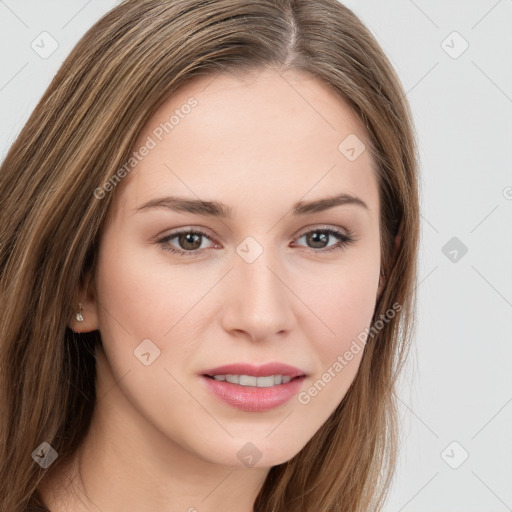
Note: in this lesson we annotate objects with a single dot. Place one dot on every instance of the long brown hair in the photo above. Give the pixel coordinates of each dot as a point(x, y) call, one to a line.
point(82, 131)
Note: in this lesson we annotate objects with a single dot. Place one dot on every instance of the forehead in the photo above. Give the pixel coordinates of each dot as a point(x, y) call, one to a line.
point(266, 138)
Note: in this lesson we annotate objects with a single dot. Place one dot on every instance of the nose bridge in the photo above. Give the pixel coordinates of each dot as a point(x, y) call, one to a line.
point(260, 300)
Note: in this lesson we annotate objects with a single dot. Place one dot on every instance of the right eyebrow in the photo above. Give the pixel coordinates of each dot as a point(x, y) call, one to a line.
point(185, 205)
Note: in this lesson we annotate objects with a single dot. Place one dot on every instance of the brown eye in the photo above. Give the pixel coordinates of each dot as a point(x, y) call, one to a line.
point(188, 242)
point(319, 239)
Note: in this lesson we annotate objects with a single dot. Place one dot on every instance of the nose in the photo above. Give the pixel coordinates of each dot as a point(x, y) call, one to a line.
point(258, 301)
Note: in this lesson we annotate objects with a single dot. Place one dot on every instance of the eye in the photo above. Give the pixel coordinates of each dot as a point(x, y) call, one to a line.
point(319, 238)
point(190, 241)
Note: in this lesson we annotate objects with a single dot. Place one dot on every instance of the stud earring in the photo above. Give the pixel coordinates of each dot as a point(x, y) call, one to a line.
point(79, 317)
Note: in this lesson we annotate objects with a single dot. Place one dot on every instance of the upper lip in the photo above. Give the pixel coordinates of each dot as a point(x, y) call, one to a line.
point(263, 370)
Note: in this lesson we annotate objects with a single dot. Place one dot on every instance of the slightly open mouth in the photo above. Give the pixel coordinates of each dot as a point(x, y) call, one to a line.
point(251, 381)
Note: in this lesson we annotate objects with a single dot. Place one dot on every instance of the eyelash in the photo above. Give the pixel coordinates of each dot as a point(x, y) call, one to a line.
point(345, 239)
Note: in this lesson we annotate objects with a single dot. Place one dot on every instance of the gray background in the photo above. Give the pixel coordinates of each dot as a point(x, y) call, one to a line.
point(456, 392)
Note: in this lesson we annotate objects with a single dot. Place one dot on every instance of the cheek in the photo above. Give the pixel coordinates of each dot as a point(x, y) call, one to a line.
point(348, 303)
point(136, 295)
point(137, 303)
point(343, 308)
point(143, 297)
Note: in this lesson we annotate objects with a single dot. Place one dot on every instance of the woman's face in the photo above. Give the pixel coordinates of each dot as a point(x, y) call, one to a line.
point(254, 286)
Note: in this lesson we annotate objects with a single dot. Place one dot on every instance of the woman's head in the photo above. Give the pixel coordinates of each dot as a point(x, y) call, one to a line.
point(260, 284)
point(264, 107)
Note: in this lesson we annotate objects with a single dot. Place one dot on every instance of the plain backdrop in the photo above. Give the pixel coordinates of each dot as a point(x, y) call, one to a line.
point(454, 60)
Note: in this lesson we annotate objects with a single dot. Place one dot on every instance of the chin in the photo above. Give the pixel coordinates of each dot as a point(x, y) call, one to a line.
point(253, 451)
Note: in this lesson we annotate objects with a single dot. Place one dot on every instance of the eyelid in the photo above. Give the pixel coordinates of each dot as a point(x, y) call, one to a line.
point(322, 227)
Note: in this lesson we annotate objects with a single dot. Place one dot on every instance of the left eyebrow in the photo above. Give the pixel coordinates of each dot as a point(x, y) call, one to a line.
point(218, 209)
point(320, 205)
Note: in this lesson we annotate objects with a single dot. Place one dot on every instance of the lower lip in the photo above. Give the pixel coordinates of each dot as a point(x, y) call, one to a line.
point(252, 398)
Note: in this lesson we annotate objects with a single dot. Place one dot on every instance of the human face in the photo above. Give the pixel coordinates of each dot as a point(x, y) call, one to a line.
point(253, 287)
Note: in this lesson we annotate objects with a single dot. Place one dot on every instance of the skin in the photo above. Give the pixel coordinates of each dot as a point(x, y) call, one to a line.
point(159, 439)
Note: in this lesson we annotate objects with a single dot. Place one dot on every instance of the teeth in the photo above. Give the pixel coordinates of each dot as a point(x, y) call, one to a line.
point(251, 380)
point(232, 378)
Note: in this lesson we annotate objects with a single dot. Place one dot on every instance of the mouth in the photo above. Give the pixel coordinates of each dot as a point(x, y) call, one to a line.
point(254, 388)
point(254, 381)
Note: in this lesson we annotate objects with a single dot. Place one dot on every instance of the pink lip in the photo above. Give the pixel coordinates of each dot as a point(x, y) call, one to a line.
point(252, 398)
point(257, 371)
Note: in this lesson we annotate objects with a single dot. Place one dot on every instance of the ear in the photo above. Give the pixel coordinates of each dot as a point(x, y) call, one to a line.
point(85, 303)
point(383, 278)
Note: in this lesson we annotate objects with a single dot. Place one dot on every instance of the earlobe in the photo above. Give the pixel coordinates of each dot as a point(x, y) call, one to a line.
point(79, 317)
point(85, 318)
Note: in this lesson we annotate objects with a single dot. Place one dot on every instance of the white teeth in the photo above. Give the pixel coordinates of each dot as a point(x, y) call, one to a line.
point(264, 382)
point(251, 380)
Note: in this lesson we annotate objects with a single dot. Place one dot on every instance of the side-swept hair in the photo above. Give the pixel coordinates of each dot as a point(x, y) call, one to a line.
point(81, 132)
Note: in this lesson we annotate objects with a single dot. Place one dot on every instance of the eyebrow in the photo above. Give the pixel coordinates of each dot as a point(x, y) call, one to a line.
point(218, 209)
